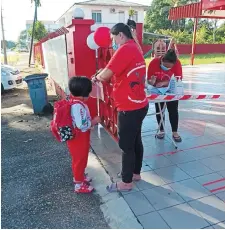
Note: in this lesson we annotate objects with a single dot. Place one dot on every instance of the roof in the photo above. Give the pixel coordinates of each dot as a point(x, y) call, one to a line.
point(43, 21)
point(106, 3)
point(195, 10)
point(110, 3)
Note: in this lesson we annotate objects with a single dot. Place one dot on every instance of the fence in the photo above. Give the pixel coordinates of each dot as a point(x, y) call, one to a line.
point(200, 48)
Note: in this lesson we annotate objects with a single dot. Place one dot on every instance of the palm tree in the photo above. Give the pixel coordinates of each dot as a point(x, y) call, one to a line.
point(131, 13)
point(37, 4)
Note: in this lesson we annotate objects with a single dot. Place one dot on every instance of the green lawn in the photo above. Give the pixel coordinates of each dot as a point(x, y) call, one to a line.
point(12, 59)
point(200, 59)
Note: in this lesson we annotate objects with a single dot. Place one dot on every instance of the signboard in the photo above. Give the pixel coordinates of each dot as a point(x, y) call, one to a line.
point(219, 14)
point(213, 4)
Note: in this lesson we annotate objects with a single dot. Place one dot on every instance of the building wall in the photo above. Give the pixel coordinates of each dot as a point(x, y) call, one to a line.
point(107, 16)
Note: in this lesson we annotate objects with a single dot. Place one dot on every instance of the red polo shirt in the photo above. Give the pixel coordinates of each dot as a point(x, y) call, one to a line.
point(128, 66)
point(154, 69)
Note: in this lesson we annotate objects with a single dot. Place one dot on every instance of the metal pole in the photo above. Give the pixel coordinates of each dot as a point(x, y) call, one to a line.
point(194, 41)
point(3, 40)
point(98, 103)
point(32, 38)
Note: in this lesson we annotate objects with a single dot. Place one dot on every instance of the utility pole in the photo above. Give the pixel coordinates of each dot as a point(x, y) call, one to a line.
point(32, 38)
point(3, 40)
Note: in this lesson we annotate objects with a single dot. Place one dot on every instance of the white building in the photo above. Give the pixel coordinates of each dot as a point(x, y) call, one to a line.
point(105, 12)
point(50, 26)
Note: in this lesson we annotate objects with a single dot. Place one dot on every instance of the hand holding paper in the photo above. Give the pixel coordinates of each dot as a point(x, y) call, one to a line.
point(97, 91)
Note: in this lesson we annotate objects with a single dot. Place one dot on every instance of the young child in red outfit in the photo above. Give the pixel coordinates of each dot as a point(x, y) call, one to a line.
point(80, 88)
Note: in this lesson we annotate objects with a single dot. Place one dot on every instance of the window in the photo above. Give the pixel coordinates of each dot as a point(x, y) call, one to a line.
point(121, 16)
point(97, 16)
point(135, 16)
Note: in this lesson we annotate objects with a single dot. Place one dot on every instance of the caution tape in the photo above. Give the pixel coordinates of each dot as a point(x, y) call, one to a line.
point(181, 97)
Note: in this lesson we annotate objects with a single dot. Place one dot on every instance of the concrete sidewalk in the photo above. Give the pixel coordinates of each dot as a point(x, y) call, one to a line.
point(179, 189)
point(184, 188)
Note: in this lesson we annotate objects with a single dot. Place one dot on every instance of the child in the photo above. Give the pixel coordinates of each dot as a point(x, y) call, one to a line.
point(80, 88)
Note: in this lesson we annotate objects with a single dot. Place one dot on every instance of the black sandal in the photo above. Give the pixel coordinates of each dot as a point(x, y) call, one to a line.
point(177, 139)
point(160, 136)
point(114, 188)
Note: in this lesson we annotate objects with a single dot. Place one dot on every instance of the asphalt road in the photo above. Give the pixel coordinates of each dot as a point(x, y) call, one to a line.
point(37, 189)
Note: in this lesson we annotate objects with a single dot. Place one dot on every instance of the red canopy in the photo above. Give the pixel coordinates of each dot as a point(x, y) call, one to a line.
point(203, 9)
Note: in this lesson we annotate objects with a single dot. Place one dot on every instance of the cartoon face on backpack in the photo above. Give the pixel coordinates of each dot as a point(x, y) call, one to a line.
point(65, 133)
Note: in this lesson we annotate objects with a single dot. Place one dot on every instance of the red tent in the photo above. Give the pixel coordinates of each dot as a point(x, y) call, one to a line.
point(203, 9)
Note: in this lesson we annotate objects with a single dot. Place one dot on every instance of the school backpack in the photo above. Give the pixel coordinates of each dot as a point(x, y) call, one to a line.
point(62, 125)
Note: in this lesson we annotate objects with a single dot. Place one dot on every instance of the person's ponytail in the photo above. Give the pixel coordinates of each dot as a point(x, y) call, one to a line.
point(132, 26)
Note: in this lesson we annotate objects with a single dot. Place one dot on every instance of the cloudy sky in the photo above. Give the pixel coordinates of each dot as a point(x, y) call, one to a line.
point(16, 12)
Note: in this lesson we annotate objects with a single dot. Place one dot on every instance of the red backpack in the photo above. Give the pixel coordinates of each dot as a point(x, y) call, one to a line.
point(62, 125)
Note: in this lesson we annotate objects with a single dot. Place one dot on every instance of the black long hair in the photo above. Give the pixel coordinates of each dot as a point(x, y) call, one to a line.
point(132, 24)
point(121, 27)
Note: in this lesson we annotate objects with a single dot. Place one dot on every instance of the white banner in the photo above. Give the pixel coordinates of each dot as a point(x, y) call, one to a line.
point(55, 58)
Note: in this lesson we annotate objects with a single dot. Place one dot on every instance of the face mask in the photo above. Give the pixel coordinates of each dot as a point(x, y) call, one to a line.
point(164, 67)
point(115, 46)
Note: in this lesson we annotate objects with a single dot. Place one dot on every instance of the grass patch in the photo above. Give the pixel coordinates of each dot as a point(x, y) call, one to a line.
point(200, 59)
point(13, 59)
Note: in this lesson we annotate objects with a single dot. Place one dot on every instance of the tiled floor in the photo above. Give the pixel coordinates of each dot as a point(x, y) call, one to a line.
point(183, 188)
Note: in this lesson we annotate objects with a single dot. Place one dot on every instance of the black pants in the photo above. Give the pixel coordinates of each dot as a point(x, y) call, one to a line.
point(172, 108)
point(130, 141)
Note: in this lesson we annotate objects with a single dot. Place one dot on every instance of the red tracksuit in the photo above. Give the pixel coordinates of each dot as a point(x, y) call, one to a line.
point(79, 149)
point(80, 145)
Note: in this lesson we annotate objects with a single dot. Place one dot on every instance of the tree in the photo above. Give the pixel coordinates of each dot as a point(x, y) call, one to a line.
point(220, 34)
point(22, 36)
point(131, 13)
point(9, 44)
point(22, 39)
point(156, 18)
point(181, 37)
point(203, 35)
point(157, 15)
point(39, 31)
point(157, 21)
point(37, 4)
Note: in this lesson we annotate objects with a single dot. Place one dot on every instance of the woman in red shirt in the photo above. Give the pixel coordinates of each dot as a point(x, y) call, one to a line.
point(160, 70)
point(128, 70)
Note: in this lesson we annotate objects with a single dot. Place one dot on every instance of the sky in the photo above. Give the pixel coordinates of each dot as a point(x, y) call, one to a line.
point(16, 12)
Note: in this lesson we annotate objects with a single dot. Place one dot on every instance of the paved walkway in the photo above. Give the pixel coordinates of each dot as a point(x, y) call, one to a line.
point(183, 188)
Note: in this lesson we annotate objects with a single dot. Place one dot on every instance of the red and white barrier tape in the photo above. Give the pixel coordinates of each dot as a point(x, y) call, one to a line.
point(181, 97)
